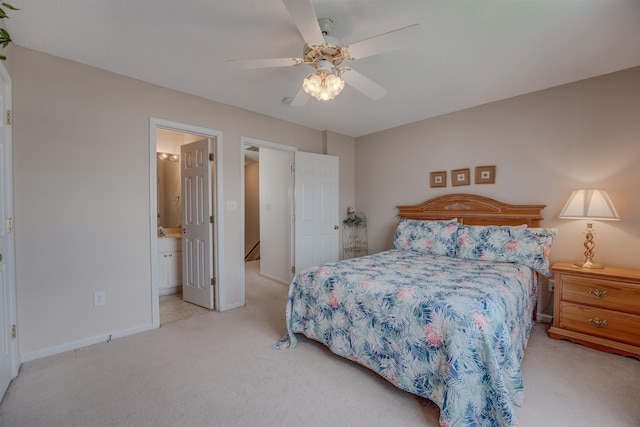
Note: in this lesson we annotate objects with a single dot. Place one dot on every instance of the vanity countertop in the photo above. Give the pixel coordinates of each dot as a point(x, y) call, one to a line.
point(169, 233)
point(171, 236)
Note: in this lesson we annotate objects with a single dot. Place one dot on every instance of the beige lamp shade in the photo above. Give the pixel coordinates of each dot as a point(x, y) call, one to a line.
point(590, 203)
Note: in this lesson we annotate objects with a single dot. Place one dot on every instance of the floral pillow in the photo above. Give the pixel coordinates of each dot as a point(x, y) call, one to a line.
point(527, 246)
point(429, 237)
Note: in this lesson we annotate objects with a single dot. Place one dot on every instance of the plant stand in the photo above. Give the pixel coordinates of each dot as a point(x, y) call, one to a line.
point(354, 235)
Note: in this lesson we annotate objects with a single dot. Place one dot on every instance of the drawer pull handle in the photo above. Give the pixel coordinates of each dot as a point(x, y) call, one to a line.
point(598, 293)
point(598, 323)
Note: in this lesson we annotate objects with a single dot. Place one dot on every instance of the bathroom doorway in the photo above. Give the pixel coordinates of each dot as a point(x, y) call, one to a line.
point(170, 251)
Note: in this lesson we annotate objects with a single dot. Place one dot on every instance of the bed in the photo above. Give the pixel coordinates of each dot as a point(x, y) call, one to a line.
point(445, 314)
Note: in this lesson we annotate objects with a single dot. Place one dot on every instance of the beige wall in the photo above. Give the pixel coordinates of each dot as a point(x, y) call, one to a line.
point(343, 147)
point(544, 144)
point(168, 141)
point(82, 220)
point(82, 228)
point(275, 214)
point(251, 205)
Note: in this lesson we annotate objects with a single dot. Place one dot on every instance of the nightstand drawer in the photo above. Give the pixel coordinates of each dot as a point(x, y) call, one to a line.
point(622, 327)
point(610, 294)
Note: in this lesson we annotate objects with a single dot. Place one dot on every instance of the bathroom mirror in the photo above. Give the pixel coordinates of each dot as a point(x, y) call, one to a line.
point(169, 191)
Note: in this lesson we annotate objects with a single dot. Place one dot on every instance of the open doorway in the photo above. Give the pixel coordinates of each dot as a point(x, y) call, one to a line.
point(176, 299)
point(170, 250)
point(291, 181)
point(267, 211)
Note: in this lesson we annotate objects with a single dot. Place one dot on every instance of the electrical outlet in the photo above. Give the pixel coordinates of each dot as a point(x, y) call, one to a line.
point(99, 298)
point(552, 285)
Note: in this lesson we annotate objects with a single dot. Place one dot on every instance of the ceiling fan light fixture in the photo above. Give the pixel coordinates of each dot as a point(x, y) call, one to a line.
point(325, 53)
point(322, 85)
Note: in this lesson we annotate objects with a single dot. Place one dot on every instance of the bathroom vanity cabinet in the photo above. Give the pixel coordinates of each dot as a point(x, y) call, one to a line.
point(169, 265)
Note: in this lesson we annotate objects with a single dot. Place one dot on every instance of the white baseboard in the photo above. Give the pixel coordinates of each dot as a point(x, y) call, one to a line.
point(26, 357)
point(544, 318)
point(230, 306)
point(169, 290)
point(275, 279)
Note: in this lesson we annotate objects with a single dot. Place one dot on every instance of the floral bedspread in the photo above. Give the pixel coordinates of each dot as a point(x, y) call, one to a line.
point(453, 331)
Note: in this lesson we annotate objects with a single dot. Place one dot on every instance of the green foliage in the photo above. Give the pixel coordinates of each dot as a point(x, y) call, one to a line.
point(5, 38)
point(354, 221)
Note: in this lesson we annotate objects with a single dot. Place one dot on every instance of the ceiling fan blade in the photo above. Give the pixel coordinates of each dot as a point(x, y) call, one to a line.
point(364, 84)
point(304, 17)
point(301, 98)
point(250, 64)
point(393, 40)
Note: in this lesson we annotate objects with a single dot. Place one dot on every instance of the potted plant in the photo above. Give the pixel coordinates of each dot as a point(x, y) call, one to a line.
point(5, 38)
point(354, 221)
point(354, 234)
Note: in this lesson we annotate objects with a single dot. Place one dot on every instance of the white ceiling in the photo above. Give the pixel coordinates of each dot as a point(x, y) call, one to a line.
point(472, 51)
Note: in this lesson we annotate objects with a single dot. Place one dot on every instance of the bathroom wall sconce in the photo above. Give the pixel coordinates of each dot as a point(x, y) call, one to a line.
point(168, 156)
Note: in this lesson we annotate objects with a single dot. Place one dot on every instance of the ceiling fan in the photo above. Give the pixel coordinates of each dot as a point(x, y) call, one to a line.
point(326, 54)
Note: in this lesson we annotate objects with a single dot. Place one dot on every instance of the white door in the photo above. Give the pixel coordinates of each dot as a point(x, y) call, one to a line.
point(8, 344)
point(316, 209)
point(197, 227)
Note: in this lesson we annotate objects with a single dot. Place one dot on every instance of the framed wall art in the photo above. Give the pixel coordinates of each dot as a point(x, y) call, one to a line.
point(485, 174)
point(460, 177)
point(438, 179)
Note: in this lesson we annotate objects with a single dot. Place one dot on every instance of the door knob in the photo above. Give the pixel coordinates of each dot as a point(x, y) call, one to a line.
point(335, 227)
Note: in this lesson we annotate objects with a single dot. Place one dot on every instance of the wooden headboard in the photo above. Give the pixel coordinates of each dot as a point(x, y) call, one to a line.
point(473, 210)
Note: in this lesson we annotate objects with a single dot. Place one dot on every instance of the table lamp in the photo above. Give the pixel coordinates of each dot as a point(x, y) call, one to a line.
point(590, 204)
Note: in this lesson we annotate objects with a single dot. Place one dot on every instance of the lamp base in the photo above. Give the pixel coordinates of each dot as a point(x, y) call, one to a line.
point(588, 264)
point(589, 244)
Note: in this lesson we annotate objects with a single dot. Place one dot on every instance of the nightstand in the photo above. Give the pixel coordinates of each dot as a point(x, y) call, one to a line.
point(599, 308)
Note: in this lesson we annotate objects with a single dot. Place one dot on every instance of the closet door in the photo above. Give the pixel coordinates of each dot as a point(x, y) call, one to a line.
point(316, 209)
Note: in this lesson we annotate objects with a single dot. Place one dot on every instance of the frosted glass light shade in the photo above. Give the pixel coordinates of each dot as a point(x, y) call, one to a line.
point(322, 85)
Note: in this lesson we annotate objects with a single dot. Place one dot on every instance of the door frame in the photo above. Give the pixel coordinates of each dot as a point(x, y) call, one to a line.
point(218, 212)
point(270, 146)
point(8, 214)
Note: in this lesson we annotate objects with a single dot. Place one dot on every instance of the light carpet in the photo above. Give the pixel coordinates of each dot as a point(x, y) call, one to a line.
point(218, 369)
